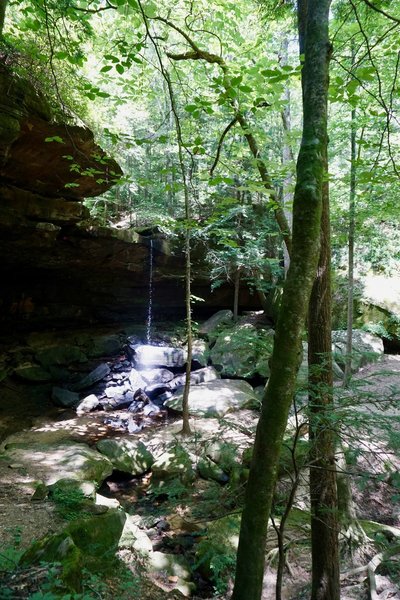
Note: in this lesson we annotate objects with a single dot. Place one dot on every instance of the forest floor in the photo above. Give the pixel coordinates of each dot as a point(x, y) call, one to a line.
point(22, 521)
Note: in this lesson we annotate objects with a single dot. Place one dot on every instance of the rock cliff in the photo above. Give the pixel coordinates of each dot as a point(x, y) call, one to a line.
point(56, 267)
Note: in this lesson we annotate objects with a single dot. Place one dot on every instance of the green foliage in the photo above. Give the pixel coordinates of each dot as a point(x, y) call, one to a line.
point(216, 551)
point(10, 555)
point(71, 503)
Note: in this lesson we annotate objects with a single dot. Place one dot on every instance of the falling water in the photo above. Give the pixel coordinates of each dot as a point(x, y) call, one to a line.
point(149, 312)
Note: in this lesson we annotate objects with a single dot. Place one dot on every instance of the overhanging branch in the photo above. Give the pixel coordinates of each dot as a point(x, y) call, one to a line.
point(198, 54)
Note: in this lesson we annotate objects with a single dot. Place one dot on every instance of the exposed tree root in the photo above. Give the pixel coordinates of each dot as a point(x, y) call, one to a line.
point(370, 569)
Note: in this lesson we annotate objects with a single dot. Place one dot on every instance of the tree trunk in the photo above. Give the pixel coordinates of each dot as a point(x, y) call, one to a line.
point(236, 295)
point(350, 297)
point(323, 488)
point(286, 356)
point(185, 431)
point(185, 401)
point(3, 7)
point(287, 156)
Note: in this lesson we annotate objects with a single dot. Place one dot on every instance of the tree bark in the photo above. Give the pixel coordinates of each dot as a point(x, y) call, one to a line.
point(323, 488)
point(350, 297)
point(3, 8)
point(236, 294)
point(286, 356)
point(287, 155)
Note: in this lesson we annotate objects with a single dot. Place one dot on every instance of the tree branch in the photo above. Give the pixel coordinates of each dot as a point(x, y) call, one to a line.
point(198, 54)
point(94, 11)
point(221, 140)
point(382, 12)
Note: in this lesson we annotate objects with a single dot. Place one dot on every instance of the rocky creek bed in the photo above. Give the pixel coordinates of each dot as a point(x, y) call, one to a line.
point(107, 470)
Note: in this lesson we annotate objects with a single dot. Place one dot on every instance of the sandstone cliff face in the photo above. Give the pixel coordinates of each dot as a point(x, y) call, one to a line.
point(56, 268)
point(51, 159)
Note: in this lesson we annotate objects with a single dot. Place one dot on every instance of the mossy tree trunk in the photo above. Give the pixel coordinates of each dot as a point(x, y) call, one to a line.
point(3, 8)
point(286, 357)
point(350, 298)
point(323, 487)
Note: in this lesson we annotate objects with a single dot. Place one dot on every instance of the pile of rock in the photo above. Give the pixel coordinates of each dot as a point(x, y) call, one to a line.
point(147, 383)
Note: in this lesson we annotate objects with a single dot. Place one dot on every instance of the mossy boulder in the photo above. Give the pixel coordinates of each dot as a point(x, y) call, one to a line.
point(173, 463)
point(58, 549)
point(60, 355)
point(98, 535)
point(134, 538)
point(64, 460)
point(82, 543)
point(208, 469)
point(243, 351)
point(170, 569)
point(210, 327)
point(127, 456)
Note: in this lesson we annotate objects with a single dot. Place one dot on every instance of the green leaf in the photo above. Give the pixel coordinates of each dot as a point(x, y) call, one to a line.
point(150, 10)
point(60, 55)
point(111, 57)
point(352, 86)
point(55, 138)
point(120, 69)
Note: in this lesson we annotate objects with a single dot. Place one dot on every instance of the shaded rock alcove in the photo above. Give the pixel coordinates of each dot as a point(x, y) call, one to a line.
point(57, 268)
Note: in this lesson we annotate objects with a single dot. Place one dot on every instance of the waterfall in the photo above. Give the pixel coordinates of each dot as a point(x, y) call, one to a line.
point(149, 310)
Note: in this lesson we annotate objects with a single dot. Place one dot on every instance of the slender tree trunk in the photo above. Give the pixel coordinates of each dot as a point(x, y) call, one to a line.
point(185, 402)
point(286, 356)
point(236, 295)
point(287, 156)
point(3, 8)
point(350, 297)
point(323, 488)
point(188, 266)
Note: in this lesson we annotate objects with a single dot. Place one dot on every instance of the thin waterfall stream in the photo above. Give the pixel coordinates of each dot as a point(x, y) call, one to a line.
point(150, 305)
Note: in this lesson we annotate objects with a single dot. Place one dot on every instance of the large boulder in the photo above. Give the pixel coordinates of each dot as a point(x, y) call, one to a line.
point(215, 398)
point(148, 357)
point(170, 570)
point(174, 463)
point(243, 351)
point(134, 538)
point(127, 456)
point(199, 376)
point(81, 541)
point(378, 308)
point(54, 461)
point(367, 348)
point(220, 318)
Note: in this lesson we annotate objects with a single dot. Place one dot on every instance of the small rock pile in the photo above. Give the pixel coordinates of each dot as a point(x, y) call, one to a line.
point(136, 385)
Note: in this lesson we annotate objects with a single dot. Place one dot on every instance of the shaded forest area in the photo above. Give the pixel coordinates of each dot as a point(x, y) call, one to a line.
point(201, 299)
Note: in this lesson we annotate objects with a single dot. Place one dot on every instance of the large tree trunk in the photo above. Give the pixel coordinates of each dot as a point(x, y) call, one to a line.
point(323, 489)
point(286, 356)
